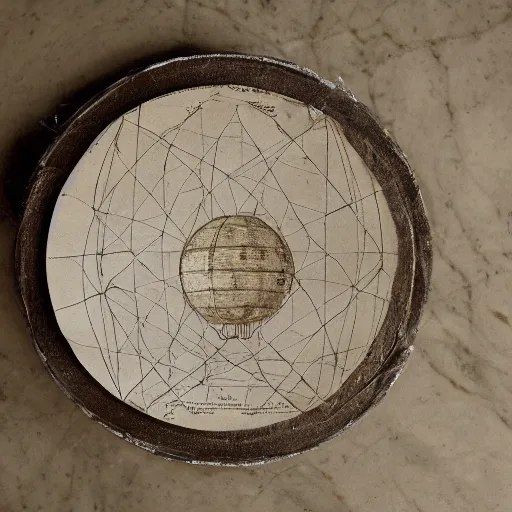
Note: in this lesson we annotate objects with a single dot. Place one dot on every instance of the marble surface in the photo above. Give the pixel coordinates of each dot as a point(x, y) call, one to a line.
point(438, 75)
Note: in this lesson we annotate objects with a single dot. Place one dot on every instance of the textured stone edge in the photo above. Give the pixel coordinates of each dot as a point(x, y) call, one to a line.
point(270, 442)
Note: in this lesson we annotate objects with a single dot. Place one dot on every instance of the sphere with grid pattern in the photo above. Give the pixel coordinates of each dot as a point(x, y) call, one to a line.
point(236, 272)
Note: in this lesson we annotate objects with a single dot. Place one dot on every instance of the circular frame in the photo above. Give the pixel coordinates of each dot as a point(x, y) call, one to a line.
point(388, 352)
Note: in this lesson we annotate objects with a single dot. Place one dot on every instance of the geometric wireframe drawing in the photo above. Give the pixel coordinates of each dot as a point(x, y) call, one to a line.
point(220, 258)
point(224, 259)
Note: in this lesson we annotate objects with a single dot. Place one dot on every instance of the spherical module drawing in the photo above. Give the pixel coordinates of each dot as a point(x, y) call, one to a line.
point(236, 271)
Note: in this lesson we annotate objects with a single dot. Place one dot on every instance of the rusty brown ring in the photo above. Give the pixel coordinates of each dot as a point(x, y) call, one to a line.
point(389, 351)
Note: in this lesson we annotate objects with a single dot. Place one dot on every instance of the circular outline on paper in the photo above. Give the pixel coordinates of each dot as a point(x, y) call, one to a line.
point(391, 347)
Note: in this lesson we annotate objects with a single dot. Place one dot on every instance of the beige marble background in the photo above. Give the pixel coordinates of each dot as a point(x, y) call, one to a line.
point(439, 75)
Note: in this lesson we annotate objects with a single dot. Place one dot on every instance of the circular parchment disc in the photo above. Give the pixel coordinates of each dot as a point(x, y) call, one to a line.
point(203, 157)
